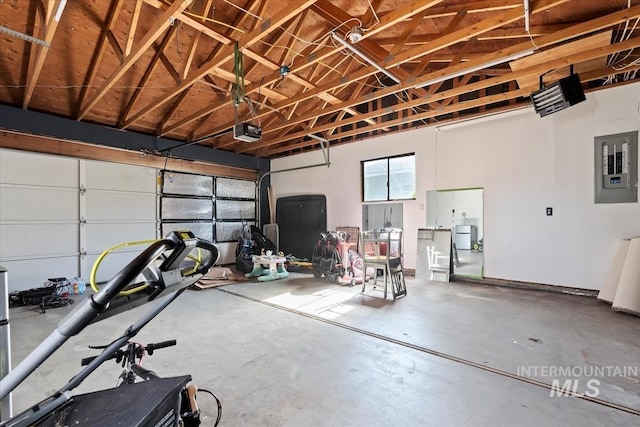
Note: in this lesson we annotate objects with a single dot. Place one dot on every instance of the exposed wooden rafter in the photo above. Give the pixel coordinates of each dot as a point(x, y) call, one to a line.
point(166, 67)
point(226, 54)
point(158, 28)
point(54, 12)
point(535, 70)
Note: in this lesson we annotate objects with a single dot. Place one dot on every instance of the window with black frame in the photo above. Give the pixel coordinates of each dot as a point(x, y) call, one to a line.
point(389, 178)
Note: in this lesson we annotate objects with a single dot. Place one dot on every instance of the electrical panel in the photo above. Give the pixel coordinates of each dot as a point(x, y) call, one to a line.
point(616, 168)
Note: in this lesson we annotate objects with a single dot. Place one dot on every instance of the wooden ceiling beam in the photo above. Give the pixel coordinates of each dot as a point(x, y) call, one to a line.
point(453, 24)
point(388, 20)
point(39, 21)
point(160, 129)
point(54, 10)
point(116, 46)
point(568, 33)
point(461, 106)
point(154, 32)
point(480, 6)
point(172, 110)
point(536, 70)
point(416, 20)
point(505, 78)
point(200, 123)
point(174, 107)
point(132, 28)
point(226, 53)
point(310, 56)
point(298, 25)
point(468, 32)
point(186, 66)
point(445, 41)
point(357, 91)
point(329, 98)
point(275, 116)
point(193, 23)
point(456, 60)
point(111, 20)
point(262, 86)
point(170, 68)
point(147, 74)
point(336, 16)
point(497, 34)
point(369, 18)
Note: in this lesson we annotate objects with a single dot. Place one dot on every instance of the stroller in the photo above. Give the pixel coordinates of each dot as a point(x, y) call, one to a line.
point(333, 259)
point(326, 257)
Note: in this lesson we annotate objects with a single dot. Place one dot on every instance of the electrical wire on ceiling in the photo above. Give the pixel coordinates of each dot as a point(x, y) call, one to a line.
point(526, 23)
point(405, 93)
point(317, 42)
point(619, 64)
point(206, 18)
point(375, 15)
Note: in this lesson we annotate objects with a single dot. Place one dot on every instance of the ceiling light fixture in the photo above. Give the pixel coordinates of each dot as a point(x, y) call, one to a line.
point(365, 57)
point(473, 69)
point(356, 35)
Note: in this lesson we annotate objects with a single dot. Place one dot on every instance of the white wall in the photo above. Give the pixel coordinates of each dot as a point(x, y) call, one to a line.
point(524, 163)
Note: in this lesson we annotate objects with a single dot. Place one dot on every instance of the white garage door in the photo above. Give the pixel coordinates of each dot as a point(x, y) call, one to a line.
point(58, 214)
point(39, 214)
point(117, 206)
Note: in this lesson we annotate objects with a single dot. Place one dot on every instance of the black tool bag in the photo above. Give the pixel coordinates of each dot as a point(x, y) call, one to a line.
point(49, 296)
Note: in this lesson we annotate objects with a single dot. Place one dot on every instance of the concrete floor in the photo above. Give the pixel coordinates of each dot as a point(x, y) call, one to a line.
point(303, 352)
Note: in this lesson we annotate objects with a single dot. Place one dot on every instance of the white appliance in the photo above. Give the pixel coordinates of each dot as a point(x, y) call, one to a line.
point(466, 236)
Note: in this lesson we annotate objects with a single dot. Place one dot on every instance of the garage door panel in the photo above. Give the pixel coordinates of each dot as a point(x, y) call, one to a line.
point(112, 176)
point(27, 274)
point(103, 236)
point(186, 209)
point(102, 206)
point(203, 230)
point(33, 240)
point(24, 168)
point(38, 204)
point(187, 184)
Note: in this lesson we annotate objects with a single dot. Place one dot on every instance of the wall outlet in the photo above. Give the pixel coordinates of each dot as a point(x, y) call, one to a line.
point(549, 211)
